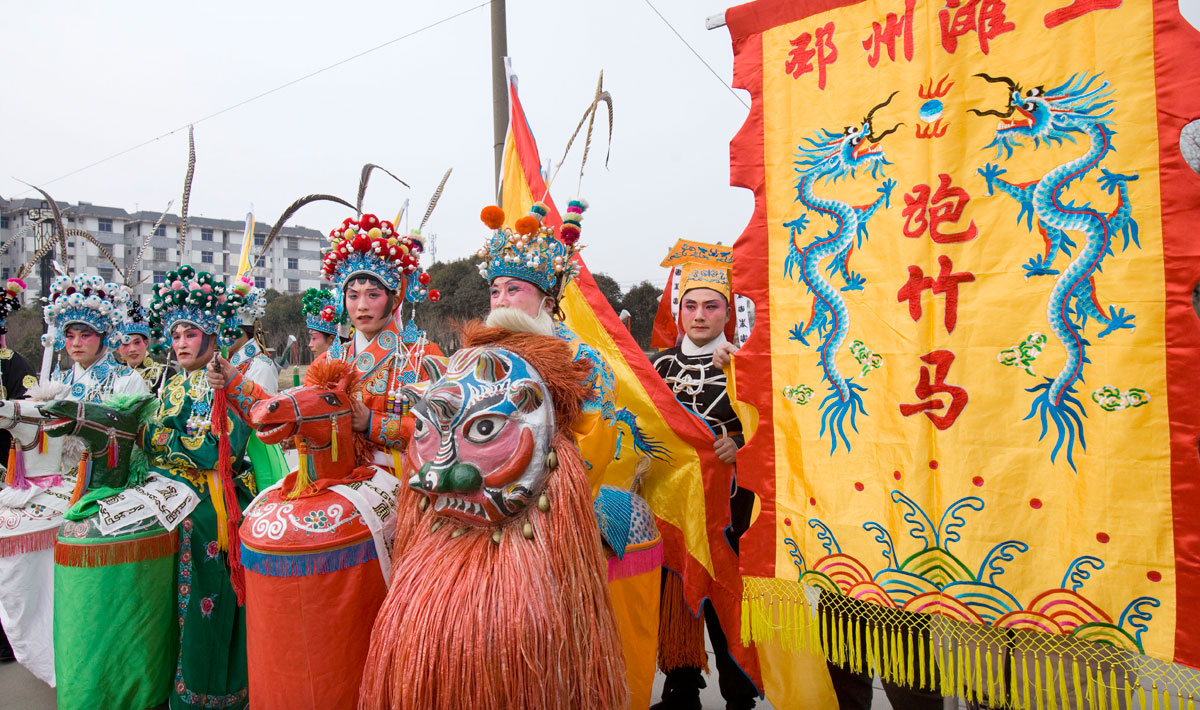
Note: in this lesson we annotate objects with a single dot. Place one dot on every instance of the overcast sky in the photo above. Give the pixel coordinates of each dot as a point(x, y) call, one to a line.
point(87, 80)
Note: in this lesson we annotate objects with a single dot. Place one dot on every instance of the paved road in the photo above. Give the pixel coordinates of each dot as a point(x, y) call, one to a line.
point(19, 690)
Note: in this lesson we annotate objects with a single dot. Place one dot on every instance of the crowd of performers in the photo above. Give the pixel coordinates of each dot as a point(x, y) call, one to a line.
point(442, 541)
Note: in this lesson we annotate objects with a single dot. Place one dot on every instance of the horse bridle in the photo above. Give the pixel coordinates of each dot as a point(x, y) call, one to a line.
point(333, 417)
point(82, 423)
point(19, 418)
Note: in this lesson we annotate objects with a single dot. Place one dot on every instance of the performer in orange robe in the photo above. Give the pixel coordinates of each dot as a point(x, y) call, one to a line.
point(318, 546)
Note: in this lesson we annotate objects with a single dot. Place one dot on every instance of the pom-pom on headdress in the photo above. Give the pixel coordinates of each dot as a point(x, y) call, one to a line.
point(10, 300)
point(136, 322)
point(199, 299)
point(254, 301)
point(320, 311)
point(529, 250)
point(368, 246)
point(85, 299)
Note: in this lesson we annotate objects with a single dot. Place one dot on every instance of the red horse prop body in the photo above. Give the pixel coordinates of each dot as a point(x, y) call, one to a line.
point(316, 550)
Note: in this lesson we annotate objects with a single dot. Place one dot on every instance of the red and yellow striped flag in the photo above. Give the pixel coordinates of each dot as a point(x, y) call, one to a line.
point(685, 482)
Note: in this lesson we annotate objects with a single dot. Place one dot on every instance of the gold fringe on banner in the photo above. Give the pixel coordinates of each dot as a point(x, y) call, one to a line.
point(1017, 668)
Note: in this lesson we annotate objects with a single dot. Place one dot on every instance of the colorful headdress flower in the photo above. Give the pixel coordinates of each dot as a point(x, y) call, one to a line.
point(320, 311)
point(89, 300)
point(254, 301)
point(136, 322)
point(368, 246)
point(10, 300)
point(198, 299)
point(529, 250)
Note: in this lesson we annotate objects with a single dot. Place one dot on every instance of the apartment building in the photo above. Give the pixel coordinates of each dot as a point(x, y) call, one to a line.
point(291, 265)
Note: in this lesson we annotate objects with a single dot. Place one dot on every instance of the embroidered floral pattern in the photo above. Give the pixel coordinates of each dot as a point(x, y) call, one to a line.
point(212, 550)
point(207, 605)
point(317, 519)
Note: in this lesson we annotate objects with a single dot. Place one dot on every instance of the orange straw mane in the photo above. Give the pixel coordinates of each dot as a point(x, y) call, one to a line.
point(326, 373)
point(469, 622)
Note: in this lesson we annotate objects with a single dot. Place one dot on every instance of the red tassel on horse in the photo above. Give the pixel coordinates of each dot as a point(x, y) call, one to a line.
point(112, 449)
point(233, 512)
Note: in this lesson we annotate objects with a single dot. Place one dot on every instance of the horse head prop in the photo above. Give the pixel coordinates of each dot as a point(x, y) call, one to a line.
point(109, 431)
point(34, 456)
point(317, 414)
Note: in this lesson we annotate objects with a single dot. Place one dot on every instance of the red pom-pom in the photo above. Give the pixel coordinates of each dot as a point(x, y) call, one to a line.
point(527, 225)
point(569, 234)
point(361, 242)
point(435, 295)
point(368, 221)
point(492, 216)
point(424, 279)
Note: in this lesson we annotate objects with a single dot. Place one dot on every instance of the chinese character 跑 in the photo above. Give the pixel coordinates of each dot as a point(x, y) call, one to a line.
point(884, 35)
point(804, 49)
point(941, 361)
point(926, 210)
point(983, 17)
point(946, 283)
point(1078, 8)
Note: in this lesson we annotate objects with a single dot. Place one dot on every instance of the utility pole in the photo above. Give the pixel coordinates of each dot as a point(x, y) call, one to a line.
point(499, 83)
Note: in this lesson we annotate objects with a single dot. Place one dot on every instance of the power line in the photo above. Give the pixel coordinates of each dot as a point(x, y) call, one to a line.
point(702, 60)
point(266, 93)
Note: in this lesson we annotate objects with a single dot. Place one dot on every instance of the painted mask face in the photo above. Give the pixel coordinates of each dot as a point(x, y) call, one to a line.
point(189, 345)
point(133, 350)
point(318, 342)
point(506, 291)
point(83, 344)
point(482, 432)
point(704, 313)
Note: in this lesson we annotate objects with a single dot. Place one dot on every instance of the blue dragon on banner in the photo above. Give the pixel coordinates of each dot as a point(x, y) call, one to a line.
point(831, 156)
point(1078, 106)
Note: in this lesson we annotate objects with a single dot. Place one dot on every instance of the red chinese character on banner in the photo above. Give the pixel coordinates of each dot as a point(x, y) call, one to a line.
point(983, 17)
point(946, 283)
point(799, 61)
point(941, 361)
point(884, 35)
point(1078, 8)
point(946, 207)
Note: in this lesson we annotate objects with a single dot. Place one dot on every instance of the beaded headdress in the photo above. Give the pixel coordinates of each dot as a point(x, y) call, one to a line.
point(368, 246)
point(254, 301)
point(320, 311)
point(85, 299)
point(529, 250)
point(10, 300)
point(136, 322)
point(199, 299)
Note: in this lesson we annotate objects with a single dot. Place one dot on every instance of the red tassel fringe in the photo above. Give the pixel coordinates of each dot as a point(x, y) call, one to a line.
point(680, 632)
point(233, 511)
point(16, 468)
point(29, 542)
point(116, 553)
point(81, 480)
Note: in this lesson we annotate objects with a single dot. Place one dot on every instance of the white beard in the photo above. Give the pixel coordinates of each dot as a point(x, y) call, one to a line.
point(520, 322)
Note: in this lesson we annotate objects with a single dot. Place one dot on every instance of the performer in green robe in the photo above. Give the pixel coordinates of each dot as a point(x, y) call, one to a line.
point(197, 313)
